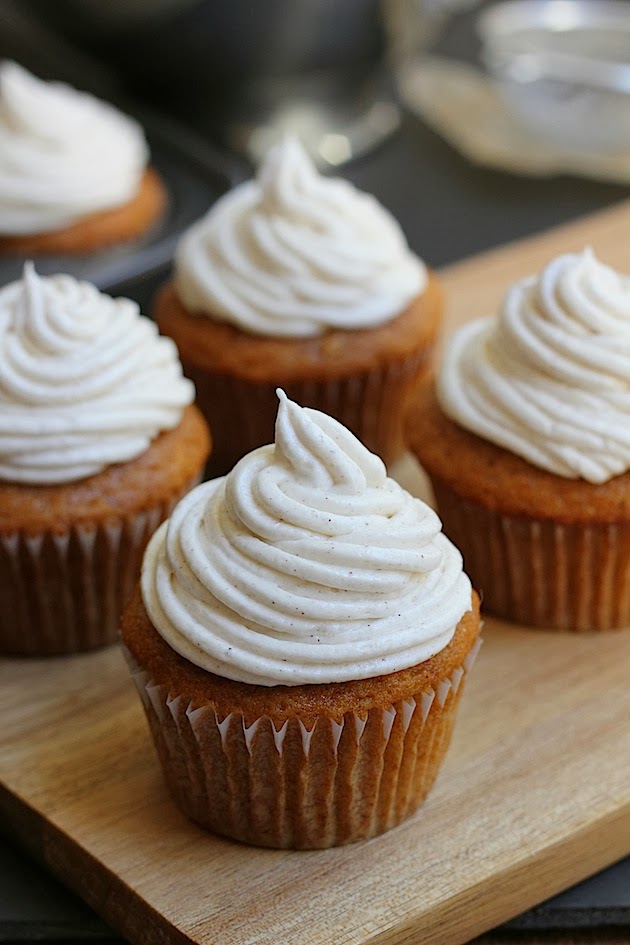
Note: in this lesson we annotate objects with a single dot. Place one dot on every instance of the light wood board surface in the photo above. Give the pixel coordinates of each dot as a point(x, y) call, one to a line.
point(534, 794)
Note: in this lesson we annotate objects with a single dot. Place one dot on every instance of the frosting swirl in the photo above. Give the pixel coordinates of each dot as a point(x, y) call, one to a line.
point(63, 154)
point(294, 253)
point(549, 379)
point(306, 564)
point(85, 380)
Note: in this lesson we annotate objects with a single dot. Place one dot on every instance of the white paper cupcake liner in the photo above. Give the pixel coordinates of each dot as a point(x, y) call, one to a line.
point(542, 573)
point(63, 592)
point(301, 785)
point(371, 404)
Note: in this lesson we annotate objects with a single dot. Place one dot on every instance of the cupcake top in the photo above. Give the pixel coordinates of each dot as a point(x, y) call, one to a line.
point(293, 254)
point(63, 154)
point(85, 380)
point(306, 564)
point(549, 379)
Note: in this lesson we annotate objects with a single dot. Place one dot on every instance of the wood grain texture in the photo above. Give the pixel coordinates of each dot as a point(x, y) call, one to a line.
point(534, 795)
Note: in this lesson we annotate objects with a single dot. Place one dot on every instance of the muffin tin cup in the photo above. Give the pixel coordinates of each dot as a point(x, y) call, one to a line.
point(372, 404)
point(300, 786)
point(63, 592)
point(542, 573)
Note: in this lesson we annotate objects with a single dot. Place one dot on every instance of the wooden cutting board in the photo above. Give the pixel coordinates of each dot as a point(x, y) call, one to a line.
point(534, 795)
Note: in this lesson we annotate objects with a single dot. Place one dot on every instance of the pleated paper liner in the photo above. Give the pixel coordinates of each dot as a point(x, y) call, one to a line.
point(372, 404)
point(64, 592)
point(539, 572)
point(300, 786)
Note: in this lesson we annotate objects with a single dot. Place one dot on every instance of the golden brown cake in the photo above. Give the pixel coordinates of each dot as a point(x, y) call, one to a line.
point(532, 483)
point(544, 551)
point(98, 230)
point(70, 554)
point(98, 441)
point(366, 379)
point(301, 281)
point(73, 170)
point(219, 747)
point(300, 643)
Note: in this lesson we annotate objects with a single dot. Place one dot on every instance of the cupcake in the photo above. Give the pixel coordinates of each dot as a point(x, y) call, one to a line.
point(98, 440)
point(527, 444)
point(300, 642)
point(73, 170)
point(297, 280)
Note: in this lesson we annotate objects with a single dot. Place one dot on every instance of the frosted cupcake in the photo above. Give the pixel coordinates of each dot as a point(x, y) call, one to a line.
point(300, 642)
point(73, 170)
point(98, 440)
point(303, 281)
point(528, 448)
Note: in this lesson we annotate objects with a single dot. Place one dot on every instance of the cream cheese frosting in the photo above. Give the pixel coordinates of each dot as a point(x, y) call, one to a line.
point(85, 380)
point(293, 254)
point(306, 564)
point(63, 154)
point(549, 379)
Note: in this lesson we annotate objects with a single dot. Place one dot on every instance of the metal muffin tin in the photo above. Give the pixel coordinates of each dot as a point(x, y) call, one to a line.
point(195, 176)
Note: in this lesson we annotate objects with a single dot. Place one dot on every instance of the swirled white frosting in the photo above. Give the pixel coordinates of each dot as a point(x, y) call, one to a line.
point(305, 565)
point(85, 380)
point(293, 253)
point(63, 154)
point(550, 378)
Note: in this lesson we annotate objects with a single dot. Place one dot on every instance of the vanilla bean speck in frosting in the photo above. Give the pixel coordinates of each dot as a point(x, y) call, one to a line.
point(63, 154)
point(306, 564)
point(549, 379)
point(85, 380)
point(294, 253)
